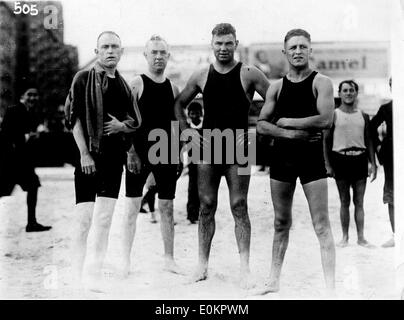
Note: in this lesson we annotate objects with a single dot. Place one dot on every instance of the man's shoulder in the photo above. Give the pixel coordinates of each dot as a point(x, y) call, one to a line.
point(320, 77)
point(136, 81)
point(276, 85)
point(81, 76)
point(201, 72)
point(15, 108)
point(387, 105)
point(250, 69)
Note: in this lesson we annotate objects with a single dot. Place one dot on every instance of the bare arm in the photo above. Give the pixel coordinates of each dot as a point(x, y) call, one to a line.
point(190, 91)
point(86, 160)
point(325, 108)
point(328, 140)
point(265, 127)
point(376, 121)
point(258, 79)
point(370, 147)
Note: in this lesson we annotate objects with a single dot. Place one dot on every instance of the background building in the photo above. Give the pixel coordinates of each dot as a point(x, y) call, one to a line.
point(32, 51)
point(8, 44)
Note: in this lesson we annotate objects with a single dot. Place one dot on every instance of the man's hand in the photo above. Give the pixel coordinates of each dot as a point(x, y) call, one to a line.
point(373, 173)
point(305, 135)
point(114, 126)
point(87, 163)
point(134, 162)
point(283, 123)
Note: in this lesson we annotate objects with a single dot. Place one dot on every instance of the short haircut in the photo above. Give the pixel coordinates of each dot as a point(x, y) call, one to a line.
point(108, 32)
point(223, 29)
point(349, 82)
point(24, 87)
point(194, 106)
point(296, 33)
point(156, 37)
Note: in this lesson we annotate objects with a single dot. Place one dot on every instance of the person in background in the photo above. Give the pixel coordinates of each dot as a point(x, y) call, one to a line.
point(385, 156)
point(348, 153)
point(19, 127)
point(195, 122)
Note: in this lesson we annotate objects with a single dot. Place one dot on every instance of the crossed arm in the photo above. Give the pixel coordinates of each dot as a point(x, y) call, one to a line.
point(266, 127)
point(325, 108)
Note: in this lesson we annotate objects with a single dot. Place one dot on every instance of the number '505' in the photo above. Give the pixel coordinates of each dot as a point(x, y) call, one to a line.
point(50, 11)
point(25, 8)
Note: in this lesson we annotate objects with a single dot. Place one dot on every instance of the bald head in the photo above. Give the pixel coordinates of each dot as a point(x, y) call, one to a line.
point(110, 33)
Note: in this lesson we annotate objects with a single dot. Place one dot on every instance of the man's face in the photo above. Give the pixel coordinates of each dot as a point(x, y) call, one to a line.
point(109, 50)
point(297, 50)
point(157, 55)
point(195, 116)
point(348, 94)
point(224, 47)
point(30, 98)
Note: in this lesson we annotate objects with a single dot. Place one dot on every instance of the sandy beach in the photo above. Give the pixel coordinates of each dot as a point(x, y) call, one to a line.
point(37, 266)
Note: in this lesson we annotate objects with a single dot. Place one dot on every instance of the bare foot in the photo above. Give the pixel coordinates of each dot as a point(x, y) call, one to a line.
point(95, 284)
point(246, 281)
point(343, 243)
point(171, 266)
point(330, 294)
point(389, 244)
point(200, 274)
point(271, 287)
point(125, 271)
point(364, 243)
point(153, 218)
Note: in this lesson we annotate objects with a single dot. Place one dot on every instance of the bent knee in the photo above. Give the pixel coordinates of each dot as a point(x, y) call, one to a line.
point(239, 204)
point(208, 203)
point(322, 228)
point(282, 225)
point(103, 221)
point(358, 202)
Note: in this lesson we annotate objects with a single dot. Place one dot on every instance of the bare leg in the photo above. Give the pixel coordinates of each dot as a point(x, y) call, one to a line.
point(82, 222)
point(208, 182)
point(282, 199)
point(391, 216)
point(345, 199)
point(103, 211)
point(167, 232)
point(238, 189)
point(317, 196)
point(390, 243)
point(132, 207)
point(359, 188)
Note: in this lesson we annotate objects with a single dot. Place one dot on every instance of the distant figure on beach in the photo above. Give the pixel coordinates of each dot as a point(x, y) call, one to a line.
point(19, 126)
point(349, 152)
point(155, 95)
point(297, 108)
point(385, 156)
point(193, 205)
point(227, 87)
point(101, 110)
point(150, 198)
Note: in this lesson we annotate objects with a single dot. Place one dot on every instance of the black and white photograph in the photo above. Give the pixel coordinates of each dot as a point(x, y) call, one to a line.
point(201, 150)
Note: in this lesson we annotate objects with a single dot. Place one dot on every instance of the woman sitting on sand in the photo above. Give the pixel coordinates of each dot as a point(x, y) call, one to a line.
point(349, 150)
